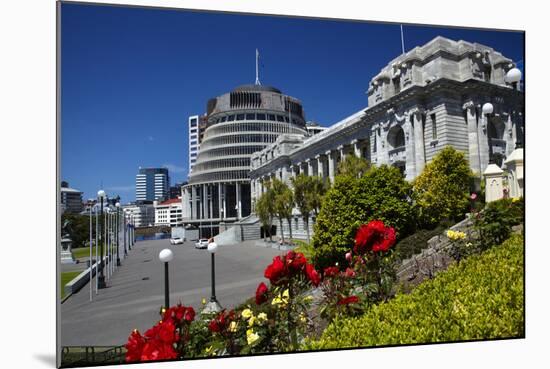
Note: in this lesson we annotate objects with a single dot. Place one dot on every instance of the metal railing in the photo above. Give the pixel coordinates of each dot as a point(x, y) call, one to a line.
point(75, 356)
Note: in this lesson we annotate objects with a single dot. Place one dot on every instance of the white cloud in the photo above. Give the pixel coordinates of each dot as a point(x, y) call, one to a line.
point(150, 138)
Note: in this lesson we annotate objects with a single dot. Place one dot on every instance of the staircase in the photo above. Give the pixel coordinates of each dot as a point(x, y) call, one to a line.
point(246, 229)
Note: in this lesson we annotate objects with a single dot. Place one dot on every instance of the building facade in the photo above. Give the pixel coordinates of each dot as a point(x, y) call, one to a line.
point(422, 101)
point(143, 215)
point(239, 123)
point(152, 184)
point(71, 199)
point(168, 213)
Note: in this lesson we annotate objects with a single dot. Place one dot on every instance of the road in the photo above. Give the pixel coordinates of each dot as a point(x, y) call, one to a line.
point(135, 292)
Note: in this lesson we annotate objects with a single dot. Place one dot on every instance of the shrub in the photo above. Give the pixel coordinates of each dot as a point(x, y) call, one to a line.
point(495, 222)
point(480, 298)
point(441, 190)
point(381, 194)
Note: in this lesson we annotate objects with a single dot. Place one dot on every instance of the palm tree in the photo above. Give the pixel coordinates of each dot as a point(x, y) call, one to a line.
point(284, 203)
point(265, 209)
point(317, 190)
point(353, 166)
point(302, 198)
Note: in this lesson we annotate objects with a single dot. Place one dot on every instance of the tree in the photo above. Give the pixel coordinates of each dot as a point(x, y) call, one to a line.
point(317, 190)
point(283, 204)
point(380, 194)
point(79, 229)
point(302, 198)
point(442, 190)
point(265, 208)
point(353, 166)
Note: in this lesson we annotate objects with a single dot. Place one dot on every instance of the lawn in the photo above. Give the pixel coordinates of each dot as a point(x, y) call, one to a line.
point(83, 252)
point(66, 277)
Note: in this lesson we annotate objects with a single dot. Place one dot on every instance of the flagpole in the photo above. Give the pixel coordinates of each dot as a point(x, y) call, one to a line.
point(91, 239)
point(96, 247)
point(402, 41)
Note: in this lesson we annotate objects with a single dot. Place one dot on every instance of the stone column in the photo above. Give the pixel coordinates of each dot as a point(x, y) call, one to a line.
point(309, 163)
point(220, 200)
point(483, 141)
point(224, 202)
point(331, 166)
point(286, 174)
point(473, 147)
point(320, 166)
point(356, 148)
point(514, 166)
point(410, 155)
point(238, 197)
point(418, 137)
point(341, 152)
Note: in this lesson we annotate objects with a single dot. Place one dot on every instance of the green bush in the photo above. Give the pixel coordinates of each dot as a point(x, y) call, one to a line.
point(495, 222)
point(381, 193)
point(441, 190)
point(481, 298)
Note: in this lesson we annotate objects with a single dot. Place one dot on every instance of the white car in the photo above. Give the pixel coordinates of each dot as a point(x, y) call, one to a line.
point(202, 244)
point(176, 241)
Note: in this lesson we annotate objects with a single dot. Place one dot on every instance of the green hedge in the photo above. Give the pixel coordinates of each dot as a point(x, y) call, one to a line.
point(481, 298)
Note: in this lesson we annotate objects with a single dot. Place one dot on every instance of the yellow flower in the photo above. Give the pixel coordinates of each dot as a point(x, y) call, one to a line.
point(251, 321)
point(308, 298)
point(251, 337)
point(515, 199)
point(455, 235)
point(262, 317)
point(209, 351)
point(303, 318)
point(233, 327)
point(246, 313)
point(281, 299)
point(203, 301)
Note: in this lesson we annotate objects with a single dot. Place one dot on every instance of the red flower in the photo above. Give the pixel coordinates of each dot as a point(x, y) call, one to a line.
point(261, 294)
point(473, 196)
point(220, 323)
point(331, 271)
point(134, 346)
point(375, 237)
point(189, 314)
point(350, 273)
point(276, 270)
point(156, 350)
point(348, 256)
point(348, 300)
point(167, 332)
point(313, 275)
point(295, 261)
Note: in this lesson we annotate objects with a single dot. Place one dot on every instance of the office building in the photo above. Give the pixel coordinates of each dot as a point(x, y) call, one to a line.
point(152, 184)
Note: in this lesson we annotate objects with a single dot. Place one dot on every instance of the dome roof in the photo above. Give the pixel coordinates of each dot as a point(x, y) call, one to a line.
point(243, 88)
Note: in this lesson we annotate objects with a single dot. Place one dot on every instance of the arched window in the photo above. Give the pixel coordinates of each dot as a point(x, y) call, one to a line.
point(396, 137)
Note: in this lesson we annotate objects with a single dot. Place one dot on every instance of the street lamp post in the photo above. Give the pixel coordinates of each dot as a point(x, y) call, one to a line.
point(116, 233)
point(513, 77)
point(213, 306)
point(101, 279)
point(166, 256)
point(487, 109)
point(125, 223)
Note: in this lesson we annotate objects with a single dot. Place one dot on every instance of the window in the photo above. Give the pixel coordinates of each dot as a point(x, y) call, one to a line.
point(223, 119)
point(260, 116)
point(193, 122)
point(193, 142)
point(286, 119)
point(374, 140)
point(271, 117)
point(434, 127)
point(250, 116)
point(240, 117)
point(280, 118)
point(231, 118)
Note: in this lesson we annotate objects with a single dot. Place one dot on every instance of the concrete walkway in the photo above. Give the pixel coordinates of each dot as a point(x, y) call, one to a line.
point(135, 292)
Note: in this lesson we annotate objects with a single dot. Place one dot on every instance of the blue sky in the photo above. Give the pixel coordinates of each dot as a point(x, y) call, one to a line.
point(131, 77)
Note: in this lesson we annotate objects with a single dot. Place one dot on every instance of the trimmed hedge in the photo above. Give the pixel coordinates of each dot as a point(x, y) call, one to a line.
point(481, 298)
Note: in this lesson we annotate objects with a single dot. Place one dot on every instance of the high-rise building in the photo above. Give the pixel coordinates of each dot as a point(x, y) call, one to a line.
point(175, 190)
point(197, 126)
point(152, 184)
point(71, 199)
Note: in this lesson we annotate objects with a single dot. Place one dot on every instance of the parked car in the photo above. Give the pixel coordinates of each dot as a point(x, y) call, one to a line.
point(202, 243)
point(176, 240)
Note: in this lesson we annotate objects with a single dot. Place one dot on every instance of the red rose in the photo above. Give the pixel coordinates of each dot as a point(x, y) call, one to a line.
point(167, 331)
point(189, 314)
point(156, 350)
point(214, 326)
point(275, 271)
point(313, 275)
point(331, 271)
point(374, 236)
point(261, 293)
point(350, 273)
point(295, 261)
point(134, 346)
point(348, 300)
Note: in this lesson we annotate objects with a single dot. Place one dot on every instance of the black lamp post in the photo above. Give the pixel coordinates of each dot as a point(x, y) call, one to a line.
point(513, 76)
point(213, 306)
point(125, 222)
point(117, 222)
point(487, 109)
point(166, 256)
point(101, 279)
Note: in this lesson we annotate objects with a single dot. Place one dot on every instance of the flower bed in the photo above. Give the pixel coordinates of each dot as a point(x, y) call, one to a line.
point(480, 298)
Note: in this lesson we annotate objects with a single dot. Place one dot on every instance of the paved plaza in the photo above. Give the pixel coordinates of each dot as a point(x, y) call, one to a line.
point(135, 292)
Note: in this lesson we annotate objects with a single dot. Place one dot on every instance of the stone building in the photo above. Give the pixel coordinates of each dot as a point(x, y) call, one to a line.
point(423, 100)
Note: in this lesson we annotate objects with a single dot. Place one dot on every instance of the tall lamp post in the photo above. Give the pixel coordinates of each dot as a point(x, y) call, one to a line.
point(117, 222)
point(166, 256)
point(213, 306)
point(513, 77)
point(101, 279)
point(487, 110)
point(125, 223)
